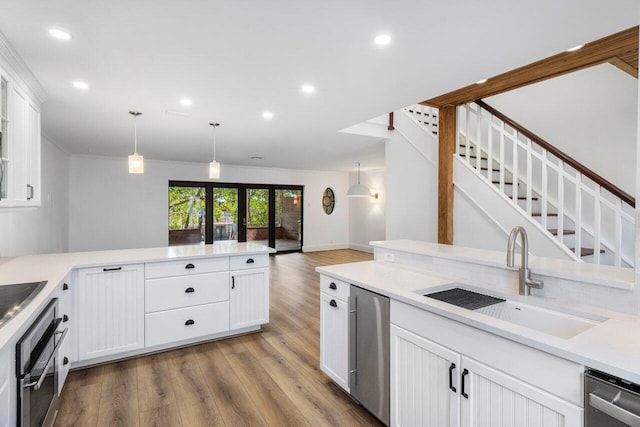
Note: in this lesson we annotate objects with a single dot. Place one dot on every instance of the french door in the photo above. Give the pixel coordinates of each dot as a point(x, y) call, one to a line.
point(211, 211)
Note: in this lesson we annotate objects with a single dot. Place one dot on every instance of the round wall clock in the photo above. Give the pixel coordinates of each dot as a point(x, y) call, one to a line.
point(328, 201)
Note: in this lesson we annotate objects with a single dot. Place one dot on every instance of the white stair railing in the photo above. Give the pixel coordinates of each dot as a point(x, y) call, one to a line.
point(545, 186)
point(424, 114)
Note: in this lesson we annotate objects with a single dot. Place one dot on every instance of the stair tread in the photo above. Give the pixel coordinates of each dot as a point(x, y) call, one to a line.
point(484, 168)
point(506, 183)
point(586, 251)
point(554, 231)
point(540, 213)
point(522, 197)
point(473, 156)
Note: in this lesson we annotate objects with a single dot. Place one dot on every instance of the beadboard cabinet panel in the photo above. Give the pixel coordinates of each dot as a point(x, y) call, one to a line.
point(249, 297)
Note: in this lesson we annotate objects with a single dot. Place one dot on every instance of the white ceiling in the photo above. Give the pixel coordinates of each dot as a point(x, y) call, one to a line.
point(236, 59)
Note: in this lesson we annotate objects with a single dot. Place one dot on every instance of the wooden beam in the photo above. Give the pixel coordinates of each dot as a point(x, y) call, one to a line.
point(623, 44)
point(624, 66)
point(446, 148)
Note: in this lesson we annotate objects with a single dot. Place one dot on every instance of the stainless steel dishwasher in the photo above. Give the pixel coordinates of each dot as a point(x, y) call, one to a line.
point(610, 401)
point(369, 351)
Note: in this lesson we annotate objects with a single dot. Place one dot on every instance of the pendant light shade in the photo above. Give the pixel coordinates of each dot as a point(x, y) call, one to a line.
point(214, 167)
point(136, 161)
point(359, 190)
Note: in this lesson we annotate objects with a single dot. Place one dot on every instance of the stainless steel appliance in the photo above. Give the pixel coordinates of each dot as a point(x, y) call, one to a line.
point(610, 401)
point(369, 351)
point(36, 368)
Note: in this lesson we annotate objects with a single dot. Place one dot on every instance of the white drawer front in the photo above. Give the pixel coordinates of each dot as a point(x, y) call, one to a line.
point(185, 323)
point(249, 261)
point(334, 287)
point(183, 291)
point(185, 267)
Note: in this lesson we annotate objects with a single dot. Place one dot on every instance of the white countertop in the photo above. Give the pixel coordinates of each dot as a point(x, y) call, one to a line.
point(602, 275)
point(613, 346)
point(55, 267)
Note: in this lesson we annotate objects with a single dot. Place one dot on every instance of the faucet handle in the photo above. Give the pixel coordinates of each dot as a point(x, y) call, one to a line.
point(533, 283)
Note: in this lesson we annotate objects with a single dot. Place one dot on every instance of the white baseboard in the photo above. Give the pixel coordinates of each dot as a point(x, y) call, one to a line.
point(329, 247)
point(361, 247)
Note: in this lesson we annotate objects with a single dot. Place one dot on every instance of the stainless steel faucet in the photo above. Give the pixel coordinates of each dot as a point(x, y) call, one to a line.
point(526, 282)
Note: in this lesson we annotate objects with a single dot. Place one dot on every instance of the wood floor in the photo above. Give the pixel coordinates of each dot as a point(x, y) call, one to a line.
point(266, 378)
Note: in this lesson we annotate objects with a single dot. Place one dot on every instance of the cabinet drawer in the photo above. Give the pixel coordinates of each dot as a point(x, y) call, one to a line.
point(185, 266)
point(185, 323)
point(249, 261)
point(183, 291)
point(335, 288)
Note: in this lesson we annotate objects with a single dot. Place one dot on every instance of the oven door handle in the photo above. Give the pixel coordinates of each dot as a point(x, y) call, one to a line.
point(37, 384)
point(614, 411)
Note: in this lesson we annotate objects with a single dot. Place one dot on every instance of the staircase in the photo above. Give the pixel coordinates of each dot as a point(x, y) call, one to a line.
point(592, 219)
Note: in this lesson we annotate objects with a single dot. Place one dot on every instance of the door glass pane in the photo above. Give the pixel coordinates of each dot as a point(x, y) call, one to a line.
point(288, 220)
point(225, 214)
point(186, 215)
point(258, 215)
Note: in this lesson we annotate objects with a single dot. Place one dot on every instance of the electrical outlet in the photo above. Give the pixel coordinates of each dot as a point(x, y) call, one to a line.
point(389, 257)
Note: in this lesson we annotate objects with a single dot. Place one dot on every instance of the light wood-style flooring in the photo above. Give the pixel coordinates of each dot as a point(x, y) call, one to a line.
point(266, 378)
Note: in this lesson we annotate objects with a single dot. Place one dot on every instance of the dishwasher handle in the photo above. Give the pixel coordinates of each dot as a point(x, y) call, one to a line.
point(614, 411)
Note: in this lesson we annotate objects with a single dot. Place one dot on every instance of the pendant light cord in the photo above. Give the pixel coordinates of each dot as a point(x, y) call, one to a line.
point(135, 134)
point(214, 143)
point(358, 173)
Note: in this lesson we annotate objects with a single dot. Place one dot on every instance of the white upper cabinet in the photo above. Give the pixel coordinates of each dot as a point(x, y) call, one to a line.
point(20, 134)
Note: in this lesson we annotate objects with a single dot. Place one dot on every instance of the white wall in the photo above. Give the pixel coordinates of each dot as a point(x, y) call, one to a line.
point(411, 182)
point(43, 229)
point(367, 216)
point(111, 209)
point(590, 114)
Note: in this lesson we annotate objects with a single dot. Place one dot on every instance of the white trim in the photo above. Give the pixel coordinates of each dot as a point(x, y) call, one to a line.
point(329, 247)
point(20, 70)
point(360, 247)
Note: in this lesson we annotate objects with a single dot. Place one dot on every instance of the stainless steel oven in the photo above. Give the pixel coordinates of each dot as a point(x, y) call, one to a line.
point(610, 401)
point(36, 368)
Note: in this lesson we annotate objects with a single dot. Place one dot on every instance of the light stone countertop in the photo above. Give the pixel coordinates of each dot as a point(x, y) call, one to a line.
point(54, 268)
point(612, 346)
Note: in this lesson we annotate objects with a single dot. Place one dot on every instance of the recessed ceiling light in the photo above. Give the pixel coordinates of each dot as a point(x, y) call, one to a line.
point(479, 82)
point(573, 49)
point(81, 85)
point(186, 101)
point(382, 39)
point(267, 115)
point(59, 34)
point(308, 89)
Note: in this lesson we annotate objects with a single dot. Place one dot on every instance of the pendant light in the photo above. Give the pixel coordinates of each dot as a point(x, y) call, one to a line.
point(214, 167)
point(359, 190)
point(136, 162)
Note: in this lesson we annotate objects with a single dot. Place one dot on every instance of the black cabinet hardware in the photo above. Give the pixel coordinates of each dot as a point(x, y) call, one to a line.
point(189, 266)
point(233, 282)
point(65, 287)
point(65, 318)
point(189, 322)
point(333, 303)
point(250, 261)
point(451, 369)
point(112, 269)
point(189, 290)
point(332, 286)
point(65, 360)
point(464, 374)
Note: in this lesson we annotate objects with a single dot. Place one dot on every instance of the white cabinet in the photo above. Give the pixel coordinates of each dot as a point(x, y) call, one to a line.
point(499, 400)
point(249, 298)
point(424, 382)
point(67, 313)
point(20, 142)
point(6, 401)
point(435, 386)
point(110, 310)
point(334, 338)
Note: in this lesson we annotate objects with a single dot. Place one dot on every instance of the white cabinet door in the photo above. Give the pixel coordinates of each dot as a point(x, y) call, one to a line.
point(249, 298)
point(110, 310)
point(499, 400)
point(424, 382)
point(67, 314)
point(334, 339)
point(7, 404)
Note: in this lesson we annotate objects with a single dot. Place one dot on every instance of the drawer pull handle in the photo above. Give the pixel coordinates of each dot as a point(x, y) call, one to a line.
point(452, 367)
point(189, 266)
point(333, 303)
point(189, 322)
point(65, 360)
point(250, 261)
point(65, 287)
point(189, 290)
point(332, 286)
point(233, 282)
point(65, 318)
point(464, 374)
point(112, 269)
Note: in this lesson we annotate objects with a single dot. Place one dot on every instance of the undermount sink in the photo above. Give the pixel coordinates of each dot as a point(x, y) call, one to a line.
point(552, 322)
